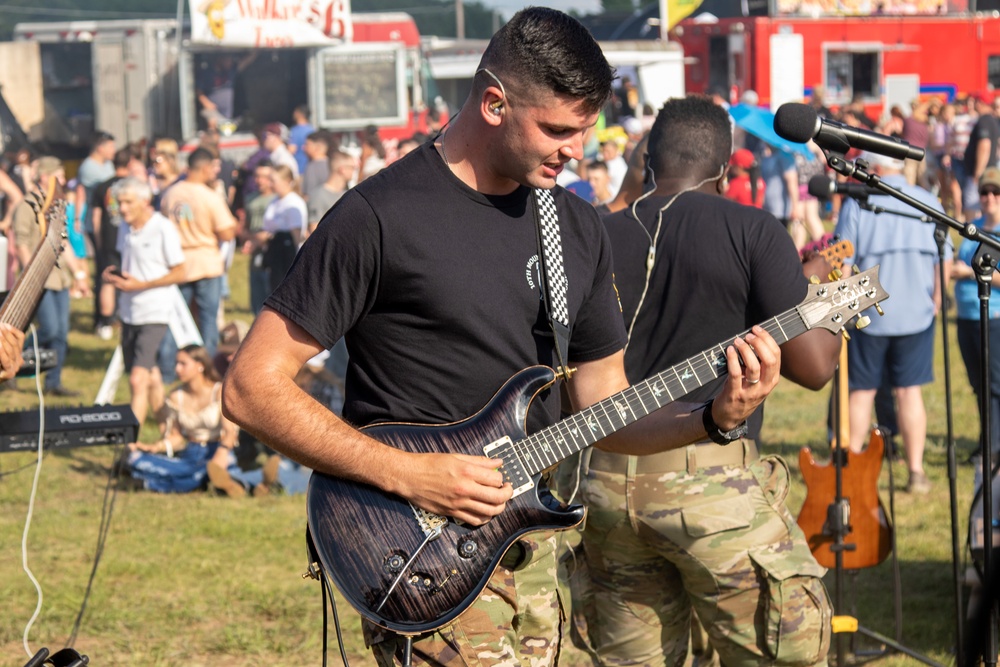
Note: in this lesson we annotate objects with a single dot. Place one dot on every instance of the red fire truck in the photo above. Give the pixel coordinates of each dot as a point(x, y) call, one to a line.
point(885, 59)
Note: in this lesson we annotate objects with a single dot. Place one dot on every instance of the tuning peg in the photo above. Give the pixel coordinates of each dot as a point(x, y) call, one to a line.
point(862, 322)
point(847, 336)
point(836, 274)
point(878, 309)
point(814, 280)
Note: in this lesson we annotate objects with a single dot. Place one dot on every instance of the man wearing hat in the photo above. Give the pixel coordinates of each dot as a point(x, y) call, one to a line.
point(743, 189)
point(902, 342)
point(274, 140)
point(53, 310)
point(981, 151)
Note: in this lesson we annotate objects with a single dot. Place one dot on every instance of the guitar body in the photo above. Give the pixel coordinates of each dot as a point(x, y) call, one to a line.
point(870, 531)
point(364, 537)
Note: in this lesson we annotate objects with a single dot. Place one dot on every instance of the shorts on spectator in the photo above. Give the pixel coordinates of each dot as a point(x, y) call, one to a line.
point(140, 343)
point(908, 359)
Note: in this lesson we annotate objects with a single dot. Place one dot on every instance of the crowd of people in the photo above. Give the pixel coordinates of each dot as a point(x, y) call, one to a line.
point(418, 256)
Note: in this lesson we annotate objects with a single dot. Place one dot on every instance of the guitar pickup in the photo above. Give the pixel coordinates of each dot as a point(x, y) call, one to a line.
point(512, 469)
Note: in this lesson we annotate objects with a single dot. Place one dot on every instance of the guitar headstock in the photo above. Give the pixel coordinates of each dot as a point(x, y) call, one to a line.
point(50, 213)
point(836, 253)
point(832, 305)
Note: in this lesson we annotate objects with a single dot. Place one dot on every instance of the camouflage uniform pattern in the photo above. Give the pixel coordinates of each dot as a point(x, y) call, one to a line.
point(516, 621)
point(721, 541)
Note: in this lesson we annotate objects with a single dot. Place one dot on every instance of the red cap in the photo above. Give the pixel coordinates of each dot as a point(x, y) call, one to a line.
point(277, 129)
point(984, 96)
point(742, 158)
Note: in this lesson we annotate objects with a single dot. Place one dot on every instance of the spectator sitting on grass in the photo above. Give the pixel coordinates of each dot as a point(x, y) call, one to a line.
point(201, 437)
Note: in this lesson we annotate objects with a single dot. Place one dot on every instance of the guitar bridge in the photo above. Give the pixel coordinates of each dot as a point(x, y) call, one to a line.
point(429, 522)
point(512, 469)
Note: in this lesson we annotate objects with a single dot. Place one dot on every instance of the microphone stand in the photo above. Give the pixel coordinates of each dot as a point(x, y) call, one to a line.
point(940, 238)
point(984, 265)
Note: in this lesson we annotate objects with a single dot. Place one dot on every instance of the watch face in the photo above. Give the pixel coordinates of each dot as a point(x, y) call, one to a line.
point(736, 433)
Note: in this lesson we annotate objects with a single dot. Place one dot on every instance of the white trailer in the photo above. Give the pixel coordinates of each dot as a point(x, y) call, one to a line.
point(116, 76)
point(136, 80)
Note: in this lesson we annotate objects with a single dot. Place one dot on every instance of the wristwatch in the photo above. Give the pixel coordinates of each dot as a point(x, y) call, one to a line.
point(716, 434)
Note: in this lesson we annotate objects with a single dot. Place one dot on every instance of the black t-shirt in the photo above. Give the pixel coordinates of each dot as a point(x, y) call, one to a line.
point(435, 287)
point(987, 127)
point(111, 218)
point(720, 268)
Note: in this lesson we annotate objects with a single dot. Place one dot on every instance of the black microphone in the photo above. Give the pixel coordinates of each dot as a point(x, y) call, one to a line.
point(800, 123)
point(823, 188)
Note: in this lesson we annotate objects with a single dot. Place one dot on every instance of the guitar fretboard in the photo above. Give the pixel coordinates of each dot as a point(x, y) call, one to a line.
point(20, 303)
point(551, 445)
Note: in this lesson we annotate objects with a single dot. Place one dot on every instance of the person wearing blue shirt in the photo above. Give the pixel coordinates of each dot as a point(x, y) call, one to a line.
point(901, 342)
point(297, 134)
point(967, 304)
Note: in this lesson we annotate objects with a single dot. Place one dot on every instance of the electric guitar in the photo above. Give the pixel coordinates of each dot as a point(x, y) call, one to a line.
point(19, 306)
point(862, 511)
point(412, 571)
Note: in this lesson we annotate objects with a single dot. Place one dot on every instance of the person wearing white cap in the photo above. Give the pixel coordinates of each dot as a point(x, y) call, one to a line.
point(274, 140)
point(902, 342)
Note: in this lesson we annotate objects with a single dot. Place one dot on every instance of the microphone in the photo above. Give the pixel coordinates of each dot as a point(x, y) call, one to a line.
point(800, 123)
point(823, 187)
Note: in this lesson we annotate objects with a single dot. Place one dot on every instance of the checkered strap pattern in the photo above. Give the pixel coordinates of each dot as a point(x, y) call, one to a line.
point(556, 284)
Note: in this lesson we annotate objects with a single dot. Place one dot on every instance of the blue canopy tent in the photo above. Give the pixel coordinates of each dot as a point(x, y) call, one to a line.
point(760, 123)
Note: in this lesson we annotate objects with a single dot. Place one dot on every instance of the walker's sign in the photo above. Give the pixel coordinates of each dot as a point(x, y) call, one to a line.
point(270, 23)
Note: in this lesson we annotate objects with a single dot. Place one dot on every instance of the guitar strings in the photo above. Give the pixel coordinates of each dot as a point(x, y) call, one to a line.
point(538, 445)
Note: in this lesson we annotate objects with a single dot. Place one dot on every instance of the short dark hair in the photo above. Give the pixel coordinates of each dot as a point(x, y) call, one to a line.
point(321, 137)
point(99, 138)
point(546, 49)
point(200, 156)
point(123, 157)
point(598, 164)
point(691, 136)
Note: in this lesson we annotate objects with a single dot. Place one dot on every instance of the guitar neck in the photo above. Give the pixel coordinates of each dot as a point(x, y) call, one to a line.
point(567, 437)
point(20, 304)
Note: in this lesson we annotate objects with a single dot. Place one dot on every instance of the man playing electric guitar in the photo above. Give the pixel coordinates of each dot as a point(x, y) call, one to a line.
point(430, 269)
point(705, 529)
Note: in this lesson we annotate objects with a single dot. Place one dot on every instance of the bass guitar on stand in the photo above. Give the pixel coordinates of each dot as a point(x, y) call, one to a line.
point(842, 497)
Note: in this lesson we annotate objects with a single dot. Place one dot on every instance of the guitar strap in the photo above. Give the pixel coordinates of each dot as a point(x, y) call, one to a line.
point(553, 274)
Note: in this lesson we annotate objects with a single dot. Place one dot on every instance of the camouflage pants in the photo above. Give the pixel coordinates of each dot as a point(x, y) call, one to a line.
point(720, 541)
point(515, 622)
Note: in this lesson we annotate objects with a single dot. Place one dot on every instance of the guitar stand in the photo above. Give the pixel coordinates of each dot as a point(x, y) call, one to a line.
point(838, 524)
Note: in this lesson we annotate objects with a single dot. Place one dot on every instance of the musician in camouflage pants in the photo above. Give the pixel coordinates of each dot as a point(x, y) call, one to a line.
point(429, 270)
point(703, 529)
point(719, 540)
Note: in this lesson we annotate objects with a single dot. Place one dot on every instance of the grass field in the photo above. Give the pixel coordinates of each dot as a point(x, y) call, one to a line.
point(203, 580)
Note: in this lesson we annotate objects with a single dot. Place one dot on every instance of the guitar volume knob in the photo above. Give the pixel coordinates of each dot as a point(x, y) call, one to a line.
point(467, 547)
point(394, 562)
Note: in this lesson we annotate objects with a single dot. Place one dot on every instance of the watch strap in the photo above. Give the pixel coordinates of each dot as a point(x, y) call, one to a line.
point(716, 434)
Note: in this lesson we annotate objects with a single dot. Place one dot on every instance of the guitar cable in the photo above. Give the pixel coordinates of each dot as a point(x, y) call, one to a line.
point(328, 592)
point(34, 491)
point(107, 510)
